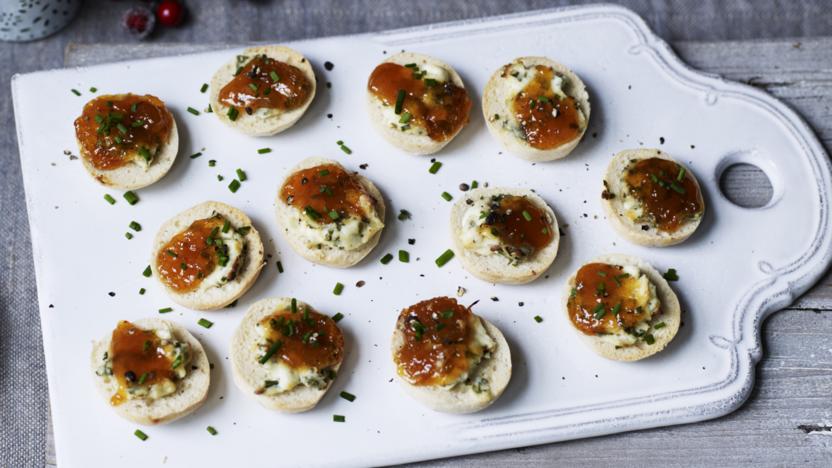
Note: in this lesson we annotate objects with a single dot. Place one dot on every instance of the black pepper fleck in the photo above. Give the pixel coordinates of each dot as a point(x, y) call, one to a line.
point(328, 65)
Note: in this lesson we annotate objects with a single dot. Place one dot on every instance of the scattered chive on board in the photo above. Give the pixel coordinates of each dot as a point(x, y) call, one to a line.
point(193, 111)
point(203, 88)
point(447, 196)
point(671, 275)
point(165, 310)
point(234, 186)
point(147, 272)
point(339, 288)
point(347, 396)
point(93, 89)
point(128, 235)
point(109, 199)
point(75, 92)
point(337, 317)
point(264, 150)
point(444, 258)
point(141, 435)
point(205, 323)
point(386, 258)
point(135, 226)
point(141, 291)
point(241, 175)
point(404, 256)
point(538, 318)
point(339, 418)
point(434, 168)
point(131, 197)
point(279, 267)
point(196, 155)
point(211, 430)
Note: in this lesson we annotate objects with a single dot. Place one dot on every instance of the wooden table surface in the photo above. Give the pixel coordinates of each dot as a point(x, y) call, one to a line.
point(788, 419)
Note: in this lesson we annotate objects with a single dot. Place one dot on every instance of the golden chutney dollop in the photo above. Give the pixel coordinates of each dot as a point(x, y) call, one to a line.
point(605, 300)
point(522, 227)
point(303, 338)
point(668, 193)
point(113, 130)
point(264, 82)
point(439, 338)
point(137, 356)
point(440, 107)
point(325, 193)
point(546, 119)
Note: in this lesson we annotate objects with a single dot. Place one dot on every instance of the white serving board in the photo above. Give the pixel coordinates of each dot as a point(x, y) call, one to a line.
point(741, 265)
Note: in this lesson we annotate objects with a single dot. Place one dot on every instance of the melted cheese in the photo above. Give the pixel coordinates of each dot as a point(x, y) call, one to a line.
point(474, 238)
point(480, 348)
point(645, 296)
point(349, 233)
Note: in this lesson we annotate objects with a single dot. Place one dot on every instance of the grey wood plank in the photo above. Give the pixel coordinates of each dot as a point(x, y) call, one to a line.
point(788, 419)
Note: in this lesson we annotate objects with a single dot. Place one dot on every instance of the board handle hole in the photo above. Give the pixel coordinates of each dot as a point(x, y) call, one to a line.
point(746, 185)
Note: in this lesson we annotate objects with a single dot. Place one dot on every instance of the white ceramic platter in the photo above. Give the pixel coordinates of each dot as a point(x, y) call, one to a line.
point(740, 265)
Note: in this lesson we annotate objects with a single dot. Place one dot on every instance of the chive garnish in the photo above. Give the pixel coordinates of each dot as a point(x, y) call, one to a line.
point(444, 258)
point(386, 259)
point(405, 118)
point(681, 174)
point(404, 215)
point(131, 197)
point(211, 430)
point(538, 318)
point(264, 150)
point(474, 184)
point(293, 306)
point(274, 76)
point(399, 101)
point(93, 89)
point(193, 111)
point(212, 162)
point(404, 256)
point(648, 338)
point(599, 311)
point(345, 148)
point(446, 314)
point(659, 326)
point(141, 435)
point(253, 87)
point(573, 292)
point(143, 377)
point(205, 323)
point(118, 140)
point(527, 216)
point(165, 310)
point(339, 418)
point(333, 215)
point(232, 113)
point(310, 212)
point(134, 107)
point(671, 275)
point(141, 291)
point(677, 188)
point(203, 88)
point(195, 155)
point(75, 92)
point(121, 128)
point(241, 175)
point(434, 168)
point(337, 317)
point(279, 267)
point(616, 309)
point(135, 226)
point(128, 235)
point(270, 352)
point(338, 289)
point(208, 109)
point(234, 186)
point(347, 396)
point(447, 196)
point(147, 272)
point(109, 199)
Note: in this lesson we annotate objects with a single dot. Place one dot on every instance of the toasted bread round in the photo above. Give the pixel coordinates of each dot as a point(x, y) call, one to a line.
point(249, 374)
point(497, 101)
point(613, 199)
point(462, 398)
point(288, 217)
point(131, 176)
point(670, 313)
point(415, 143)
point(212, 298)
point(262, 122)
point(494, 267)
point(191, 391)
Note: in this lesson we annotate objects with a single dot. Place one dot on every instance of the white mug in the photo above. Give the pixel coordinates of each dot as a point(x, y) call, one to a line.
point(27, 20)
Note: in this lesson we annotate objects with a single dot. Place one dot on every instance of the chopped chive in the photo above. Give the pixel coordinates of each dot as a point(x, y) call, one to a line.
point(241, 175)
point(386, 259)
point(205, 323)
point(573, 292)
point(220, 177)
point(339, 142)
point(677, 188)
point(131, 197)
point(671, 275)
point(599, 311)
point(333, 215)
point(203, 88)
point(659, 326)
point(75, 92)
point(225, 226)
point(253, 87)
point(118, 140)
point(474, 184)
point(338, 289)
point(134, 107)
point(527, 216)
point(444, 258)
point(144, 374)
point(135, 226)
point(447, 196)
point(141, 435)
point(339, 418)
point(648, 338)
point(232, 113)
point(434, 168)
point(270, 352)
point(145, 154)
point(399, 101)
point(212, 162)
point(109, 199)
point(93, 89)
point(165, 310)
point(337, 317)
point(347, 396)
point(121, 128)
point(404, 215)
point(274, 76)
point(345, 149)
point(128, 235)
point(147, 272)
point(405, 118)
point(279, 267)
point(681, 174)
point(234, 186)
point(264, 150)
point(142, 291)
point(211, 430)
point(208, 109)
point(616, 309)
point(538, 318)
point(404, 256)
point(195, 155)
point(310, 212)
point(193, 111)
point(446, 314)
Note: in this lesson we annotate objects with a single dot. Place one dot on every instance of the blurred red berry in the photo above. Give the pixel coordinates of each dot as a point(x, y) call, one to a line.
point(139, 21)
point(170, 12)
